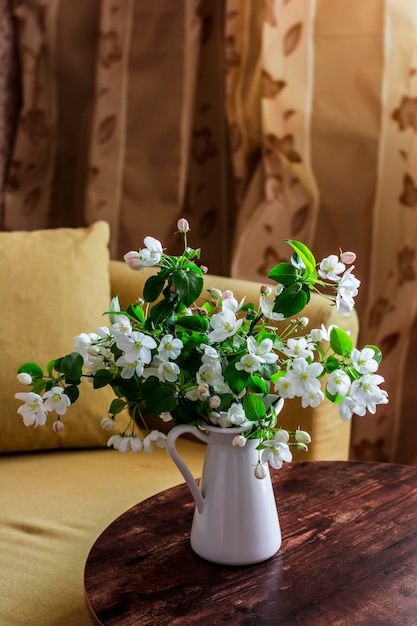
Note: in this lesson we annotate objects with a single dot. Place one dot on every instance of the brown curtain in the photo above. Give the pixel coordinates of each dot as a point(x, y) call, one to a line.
point(257, 120)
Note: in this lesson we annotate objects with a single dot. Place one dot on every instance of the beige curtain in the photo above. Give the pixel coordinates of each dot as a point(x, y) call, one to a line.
point(258, 120)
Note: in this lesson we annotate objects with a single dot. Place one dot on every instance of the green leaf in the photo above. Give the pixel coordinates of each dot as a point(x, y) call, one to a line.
point(31, 368)
point(257, 384)
point(71, 365)
point(292, 300)
point(340, 342)
point(195, 323)
point(39, 386)
point(189, 283)
point(236, 379)
point(254, 407)
point(162, 399)
point(283, 273)
point(304, 254)
point(72, 392)
point(102, 378)
point(161, 311)
point(136, 312)
point(153, 288)
point(117, 406)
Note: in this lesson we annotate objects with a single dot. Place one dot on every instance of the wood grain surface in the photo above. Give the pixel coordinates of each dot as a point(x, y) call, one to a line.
point(348, 557)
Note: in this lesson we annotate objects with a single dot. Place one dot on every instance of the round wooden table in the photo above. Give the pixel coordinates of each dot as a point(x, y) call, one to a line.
point(348, 557)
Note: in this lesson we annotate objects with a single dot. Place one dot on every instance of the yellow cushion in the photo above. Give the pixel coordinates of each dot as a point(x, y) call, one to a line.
point(55, 284)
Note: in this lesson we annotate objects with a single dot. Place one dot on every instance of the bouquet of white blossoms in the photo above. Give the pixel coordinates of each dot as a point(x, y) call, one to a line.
point(201, 359)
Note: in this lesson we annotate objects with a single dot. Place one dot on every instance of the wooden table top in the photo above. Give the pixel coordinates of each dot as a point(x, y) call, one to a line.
point(348, 557)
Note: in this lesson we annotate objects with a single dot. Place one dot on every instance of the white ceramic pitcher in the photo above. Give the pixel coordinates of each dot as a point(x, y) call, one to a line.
point(235, 520)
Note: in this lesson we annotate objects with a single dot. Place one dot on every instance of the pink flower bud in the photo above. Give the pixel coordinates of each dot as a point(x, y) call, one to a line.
point(183, 225)
point(265, 290)
point(107, 423)
point(58, 426)
point(214, 402)
point(348, 258)
point(239, 441)
point(204, 269)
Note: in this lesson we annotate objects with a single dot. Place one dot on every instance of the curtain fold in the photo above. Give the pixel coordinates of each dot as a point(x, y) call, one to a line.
point(258, 121)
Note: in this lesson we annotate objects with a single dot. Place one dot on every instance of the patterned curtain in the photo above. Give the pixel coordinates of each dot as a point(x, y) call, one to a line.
point(258, 120)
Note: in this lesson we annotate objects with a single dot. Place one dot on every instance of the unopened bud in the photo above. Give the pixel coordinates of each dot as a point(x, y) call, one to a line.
point(302, 436)
point(260, 471)
point(204, 269)
point(303, 322)
point(107, 423)
point(24, 378)
point(58, 426)
point(239, 441)
point(301, 447)
point(214, 402)
point(183, 225)
point(265, 290)
point(348, 257)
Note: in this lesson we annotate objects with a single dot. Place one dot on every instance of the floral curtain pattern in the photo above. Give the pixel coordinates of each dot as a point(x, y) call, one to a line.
point(256, 120)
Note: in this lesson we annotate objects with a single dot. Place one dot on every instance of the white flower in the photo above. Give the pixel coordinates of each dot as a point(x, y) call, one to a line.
point(276, 450)
point(347, 407)
point(33, 411)
point(303, 376)
point(122, 327)
point(224, 325)
point(239, 441)
point(56, 400)
point(312, 398)
point(146, 257)
point(262, 350)
point(331, 267)
point(285, 387)
point(347, 289)
point(210, 354)
point(137, 346)
point(169, 348)
point(168, 371)
point(249, 363)
point(124, 443)
point(299, 348)
point(365, 390)
point(129, 366)
point(210, 373)
point(363, 360)
point(155, 438)
point(236, 415)
point(338, 382)
point(230, 302)
point(24, 379)
point(267, 308)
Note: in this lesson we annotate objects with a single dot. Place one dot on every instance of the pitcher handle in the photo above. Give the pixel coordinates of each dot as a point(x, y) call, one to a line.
point(172, 437)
